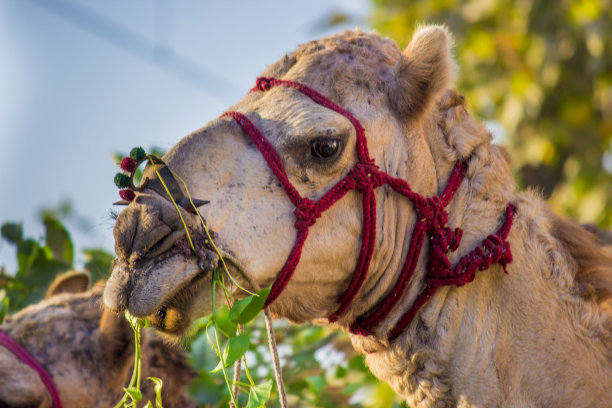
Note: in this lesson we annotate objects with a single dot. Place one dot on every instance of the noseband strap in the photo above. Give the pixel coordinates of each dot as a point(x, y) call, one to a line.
point(365, 177)
point(23, 355)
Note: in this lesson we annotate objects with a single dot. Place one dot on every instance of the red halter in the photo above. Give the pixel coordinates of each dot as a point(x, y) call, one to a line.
point(365, 177)
point(22, 354)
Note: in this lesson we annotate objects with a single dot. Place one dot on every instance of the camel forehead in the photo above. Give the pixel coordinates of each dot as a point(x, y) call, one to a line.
point(352, 68)
point(369, 45)
point(341, 64)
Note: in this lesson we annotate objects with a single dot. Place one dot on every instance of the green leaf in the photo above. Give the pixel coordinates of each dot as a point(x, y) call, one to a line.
point(341, 372)
point(235, 349)
point(134, 393)
point(58, 239)
point(27, 251)
point(158, 390)
point(12, 232)
point(259, 394)
point(352, 388)
point(221, 318)
point(98, 263)
point(200, 354)
point(149, 405)
point(316, 384)
point(245, 310)
point(4, 305)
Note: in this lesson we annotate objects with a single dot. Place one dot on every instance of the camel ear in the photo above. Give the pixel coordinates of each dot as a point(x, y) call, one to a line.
point(69, 282)
point(423, 72)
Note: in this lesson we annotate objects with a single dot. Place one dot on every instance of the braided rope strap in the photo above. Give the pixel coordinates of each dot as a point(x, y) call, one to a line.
point(365, 177)
point(23, 355)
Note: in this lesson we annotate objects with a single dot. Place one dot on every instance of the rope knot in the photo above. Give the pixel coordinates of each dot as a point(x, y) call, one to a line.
point(262, 84)
point(432, 213)
point(443, 239)
point(306, 212)
point(366, 175)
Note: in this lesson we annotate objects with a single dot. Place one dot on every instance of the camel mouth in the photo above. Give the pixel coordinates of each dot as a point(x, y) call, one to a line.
point(194, 299)
point(174, 316)
point(157, 284)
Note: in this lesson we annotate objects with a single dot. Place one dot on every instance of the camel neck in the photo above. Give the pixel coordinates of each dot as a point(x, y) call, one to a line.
point(481, 227)
point(472, 341)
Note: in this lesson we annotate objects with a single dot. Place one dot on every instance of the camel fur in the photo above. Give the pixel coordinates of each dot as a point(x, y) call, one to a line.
point(88, 352)
point(538, 336)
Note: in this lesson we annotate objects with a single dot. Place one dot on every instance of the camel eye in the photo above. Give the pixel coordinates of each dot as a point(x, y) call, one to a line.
point(324, 147)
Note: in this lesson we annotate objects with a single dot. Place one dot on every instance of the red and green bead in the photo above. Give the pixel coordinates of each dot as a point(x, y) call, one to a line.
point(129, 165)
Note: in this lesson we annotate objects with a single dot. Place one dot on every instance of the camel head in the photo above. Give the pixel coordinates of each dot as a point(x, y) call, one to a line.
point(394, 94)
point(87, 351)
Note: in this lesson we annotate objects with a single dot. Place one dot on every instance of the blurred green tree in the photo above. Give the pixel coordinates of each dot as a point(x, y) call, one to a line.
point(543, 70)
point(39, 261)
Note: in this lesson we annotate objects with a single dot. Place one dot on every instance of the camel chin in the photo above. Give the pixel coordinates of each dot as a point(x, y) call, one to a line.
point(170, 291)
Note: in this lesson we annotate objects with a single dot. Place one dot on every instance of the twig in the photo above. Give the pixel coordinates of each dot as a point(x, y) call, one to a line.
point(282, 395)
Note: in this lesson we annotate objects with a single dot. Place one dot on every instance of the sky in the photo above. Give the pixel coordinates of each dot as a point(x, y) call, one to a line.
point(80, 80)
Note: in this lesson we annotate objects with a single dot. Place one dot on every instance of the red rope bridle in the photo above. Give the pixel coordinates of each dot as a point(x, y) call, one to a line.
point(366, 177)
point(23, 355)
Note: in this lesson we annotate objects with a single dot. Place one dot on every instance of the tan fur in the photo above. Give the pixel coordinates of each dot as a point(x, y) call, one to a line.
point(593, 277)
point(89, 353)
point(536, 337)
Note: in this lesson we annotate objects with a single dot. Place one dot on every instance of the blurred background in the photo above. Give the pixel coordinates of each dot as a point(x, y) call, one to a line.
point(81, 81)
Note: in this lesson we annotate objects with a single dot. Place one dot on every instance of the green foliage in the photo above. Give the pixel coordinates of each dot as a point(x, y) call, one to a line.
point(98, 263)
point(544, 71)
point(132, 393)
point(58, 239)
point(320, 368)
point(245, 310)
point(158, 391)
point(235, 348)
point(4, 305)
point(39, 261)
point(259, 394)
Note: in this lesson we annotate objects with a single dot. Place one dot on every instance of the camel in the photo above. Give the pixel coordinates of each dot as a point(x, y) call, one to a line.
point(88, 352)
point(522, 323)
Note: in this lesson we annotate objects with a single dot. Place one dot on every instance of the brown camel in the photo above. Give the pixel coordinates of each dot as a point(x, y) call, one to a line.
point(536, 336)
point(88, 352)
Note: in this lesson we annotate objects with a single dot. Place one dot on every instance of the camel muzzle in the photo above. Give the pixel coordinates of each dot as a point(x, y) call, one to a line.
point(154, 242)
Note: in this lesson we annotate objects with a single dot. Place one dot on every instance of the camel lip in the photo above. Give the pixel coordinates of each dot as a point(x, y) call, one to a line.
point(158, 281)
point(169, 318)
